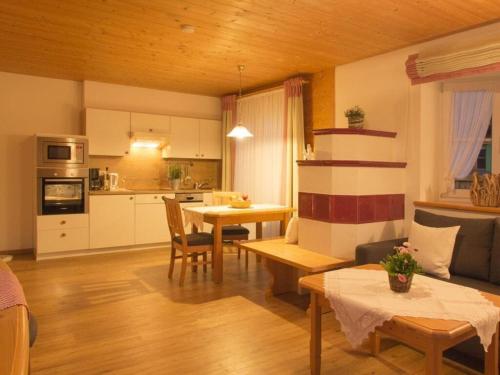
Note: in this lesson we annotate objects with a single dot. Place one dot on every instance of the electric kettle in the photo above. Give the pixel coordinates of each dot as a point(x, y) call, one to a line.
point(113, 181)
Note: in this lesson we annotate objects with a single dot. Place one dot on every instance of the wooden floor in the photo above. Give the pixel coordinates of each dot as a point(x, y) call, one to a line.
point(119, 314)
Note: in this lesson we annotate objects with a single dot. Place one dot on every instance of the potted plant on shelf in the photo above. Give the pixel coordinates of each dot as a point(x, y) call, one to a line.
point(355, 117)
point(174, 176)
point(401, 267)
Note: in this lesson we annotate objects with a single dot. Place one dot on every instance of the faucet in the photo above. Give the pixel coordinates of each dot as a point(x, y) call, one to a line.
point(201, 185)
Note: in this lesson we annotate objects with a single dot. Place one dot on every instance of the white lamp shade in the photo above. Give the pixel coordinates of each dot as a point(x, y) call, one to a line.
point(240, 132)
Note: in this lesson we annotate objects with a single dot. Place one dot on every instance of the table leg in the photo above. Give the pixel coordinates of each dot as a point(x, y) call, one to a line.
point(375, 343)
point(491, 356)
point(217, 273)
point(258, 235)
point(315, 344)
point(433, 360)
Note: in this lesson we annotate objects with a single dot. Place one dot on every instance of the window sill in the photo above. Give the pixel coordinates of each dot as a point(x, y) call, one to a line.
point(458, 207)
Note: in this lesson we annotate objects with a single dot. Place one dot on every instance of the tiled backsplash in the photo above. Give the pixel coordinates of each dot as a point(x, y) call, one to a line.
point(145, 169)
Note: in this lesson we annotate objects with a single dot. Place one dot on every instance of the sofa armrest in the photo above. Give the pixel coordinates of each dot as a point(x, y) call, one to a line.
point(376, 251)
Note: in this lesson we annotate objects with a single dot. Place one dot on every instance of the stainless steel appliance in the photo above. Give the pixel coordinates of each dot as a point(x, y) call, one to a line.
point(63, 152)
point(95, 182)
point(62, 175)
point(184, 198)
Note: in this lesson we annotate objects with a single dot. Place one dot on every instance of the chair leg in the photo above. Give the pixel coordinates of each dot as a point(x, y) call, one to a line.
point(237, 243)
point(246, 259)
point(205, 262)
point(194, 258)
point(183, 269)
point(172, 262)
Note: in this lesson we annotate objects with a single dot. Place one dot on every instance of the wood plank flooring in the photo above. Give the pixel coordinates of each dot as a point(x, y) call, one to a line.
point(119, 314)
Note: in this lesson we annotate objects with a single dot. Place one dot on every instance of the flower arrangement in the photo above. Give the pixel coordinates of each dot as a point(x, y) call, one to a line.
point(174, 175)
point(355, 116)
point(401, 267)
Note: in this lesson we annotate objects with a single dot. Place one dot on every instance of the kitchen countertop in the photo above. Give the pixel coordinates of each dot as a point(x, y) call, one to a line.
point(147, 191)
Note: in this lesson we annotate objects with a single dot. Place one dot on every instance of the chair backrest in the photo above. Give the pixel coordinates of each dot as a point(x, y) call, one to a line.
point(220, 198)
point(174, 219)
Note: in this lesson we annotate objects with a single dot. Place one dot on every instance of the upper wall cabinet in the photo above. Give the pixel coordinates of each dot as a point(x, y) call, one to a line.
point(108, 132)
point(144, 122)
point(194, 138)
point(210, 139)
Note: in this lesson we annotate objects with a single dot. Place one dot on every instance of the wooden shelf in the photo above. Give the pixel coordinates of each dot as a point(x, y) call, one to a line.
point(351, 163)
point(458, 207)
point(370, 132)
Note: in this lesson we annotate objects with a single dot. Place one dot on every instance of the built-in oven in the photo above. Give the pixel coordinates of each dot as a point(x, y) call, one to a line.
point(62, 152)
point(62, 191)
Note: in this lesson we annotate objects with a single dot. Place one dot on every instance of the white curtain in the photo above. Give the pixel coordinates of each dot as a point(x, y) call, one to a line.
point(471, 114)
point(295, 138)
point(259, 161)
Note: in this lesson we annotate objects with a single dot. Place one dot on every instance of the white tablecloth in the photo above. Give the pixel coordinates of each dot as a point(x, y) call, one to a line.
point(194, 215)
point(362, 300)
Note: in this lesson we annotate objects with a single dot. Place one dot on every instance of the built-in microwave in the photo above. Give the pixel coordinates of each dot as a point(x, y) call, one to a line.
point(62, 152)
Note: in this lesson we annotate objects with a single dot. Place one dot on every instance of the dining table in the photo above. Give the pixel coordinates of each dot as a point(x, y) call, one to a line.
point(222, 215)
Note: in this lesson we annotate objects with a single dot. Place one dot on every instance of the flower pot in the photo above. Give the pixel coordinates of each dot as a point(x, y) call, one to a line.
point(174, 184)
point(356, 122)
point(399, 286)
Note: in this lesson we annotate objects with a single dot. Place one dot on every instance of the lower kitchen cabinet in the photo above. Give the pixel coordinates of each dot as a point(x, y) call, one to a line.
point(112, 220)
point(151, 219)
point(57, 233)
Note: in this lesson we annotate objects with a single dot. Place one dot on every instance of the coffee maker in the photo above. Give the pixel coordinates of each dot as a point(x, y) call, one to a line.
point(95, 182)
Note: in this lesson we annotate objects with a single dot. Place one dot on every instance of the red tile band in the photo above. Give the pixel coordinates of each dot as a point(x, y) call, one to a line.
point(373, 133)
point(351, 209)
point(351, 163)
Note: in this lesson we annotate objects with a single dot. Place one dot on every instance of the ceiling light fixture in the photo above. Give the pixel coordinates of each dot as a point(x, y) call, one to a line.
point(240, 131)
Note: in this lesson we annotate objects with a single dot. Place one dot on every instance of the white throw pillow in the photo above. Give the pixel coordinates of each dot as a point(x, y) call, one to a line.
point(292, 231)
point(435, 248)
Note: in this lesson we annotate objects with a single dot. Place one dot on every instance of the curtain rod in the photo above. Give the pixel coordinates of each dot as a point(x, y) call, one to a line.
point(267, 89)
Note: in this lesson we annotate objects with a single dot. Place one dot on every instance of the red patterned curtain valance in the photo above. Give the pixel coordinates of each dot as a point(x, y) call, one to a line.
point(453, 65)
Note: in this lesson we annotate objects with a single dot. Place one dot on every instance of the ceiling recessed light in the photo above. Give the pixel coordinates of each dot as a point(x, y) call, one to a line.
point(189, 29)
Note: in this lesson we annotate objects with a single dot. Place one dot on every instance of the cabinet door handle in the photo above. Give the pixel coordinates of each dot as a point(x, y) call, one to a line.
point(63, 222)
point(156, 197)
point(197, 155)
point(202, 155)
point(63, 235)
point(131, 198)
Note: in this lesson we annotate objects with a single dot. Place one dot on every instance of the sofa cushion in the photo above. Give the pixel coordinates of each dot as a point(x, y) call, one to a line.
point(471, 254)
point(495, 255)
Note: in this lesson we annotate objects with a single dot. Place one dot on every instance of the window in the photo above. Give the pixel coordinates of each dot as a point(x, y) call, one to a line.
point(483, 163)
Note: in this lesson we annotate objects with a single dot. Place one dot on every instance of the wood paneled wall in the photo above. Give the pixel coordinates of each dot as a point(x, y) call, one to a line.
point(319, 102)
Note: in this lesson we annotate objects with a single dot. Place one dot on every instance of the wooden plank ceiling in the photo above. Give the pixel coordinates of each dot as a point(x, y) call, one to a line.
point(140, 43)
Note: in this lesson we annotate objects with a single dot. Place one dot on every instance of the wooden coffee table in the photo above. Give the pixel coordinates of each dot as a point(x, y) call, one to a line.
point(431, 336)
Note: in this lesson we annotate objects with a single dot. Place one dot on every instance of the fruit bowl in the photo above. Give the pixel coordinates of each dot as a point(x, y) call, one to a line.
point(240, 204)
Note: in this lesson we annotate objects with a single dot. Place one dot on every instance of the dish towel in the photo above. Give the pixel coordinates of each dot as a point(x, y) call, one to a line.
point(362, 300)
point(11, 291)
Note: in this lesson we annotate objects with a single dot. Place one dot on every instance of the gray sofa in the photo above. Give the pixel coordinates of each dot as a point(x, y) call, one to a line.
point(475, 263)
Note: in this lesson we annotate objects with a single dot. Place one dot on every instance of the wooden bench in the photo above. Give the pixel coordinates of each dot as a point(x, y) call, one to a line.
point(14, 338)
point(288, 262)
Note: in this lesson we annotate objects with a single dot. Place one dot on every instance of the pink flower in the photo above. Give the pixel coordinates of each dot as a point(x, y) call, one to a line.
point(404, 250)
point(402, 278)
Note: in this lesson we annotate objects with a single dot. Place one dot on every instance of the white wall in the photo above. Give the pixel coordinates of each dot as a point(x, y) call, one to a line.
point(30, 105)
point(138, 99)
point(381, 87)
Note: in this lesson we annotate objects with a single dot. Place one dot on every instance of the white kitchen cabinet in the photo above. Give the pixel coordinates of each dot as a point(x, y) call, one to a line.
point(112, 220)
point(184, 137)
point(210, 139)
point(145, 122)
point(108, 132)
point(151, 219)
point(57, 233)
point(194, 138)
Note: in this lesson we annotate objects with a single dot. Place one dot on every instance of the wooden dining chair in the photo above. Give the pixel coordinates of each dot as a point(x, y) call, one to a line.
point(231, 233)
point(190, 245)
